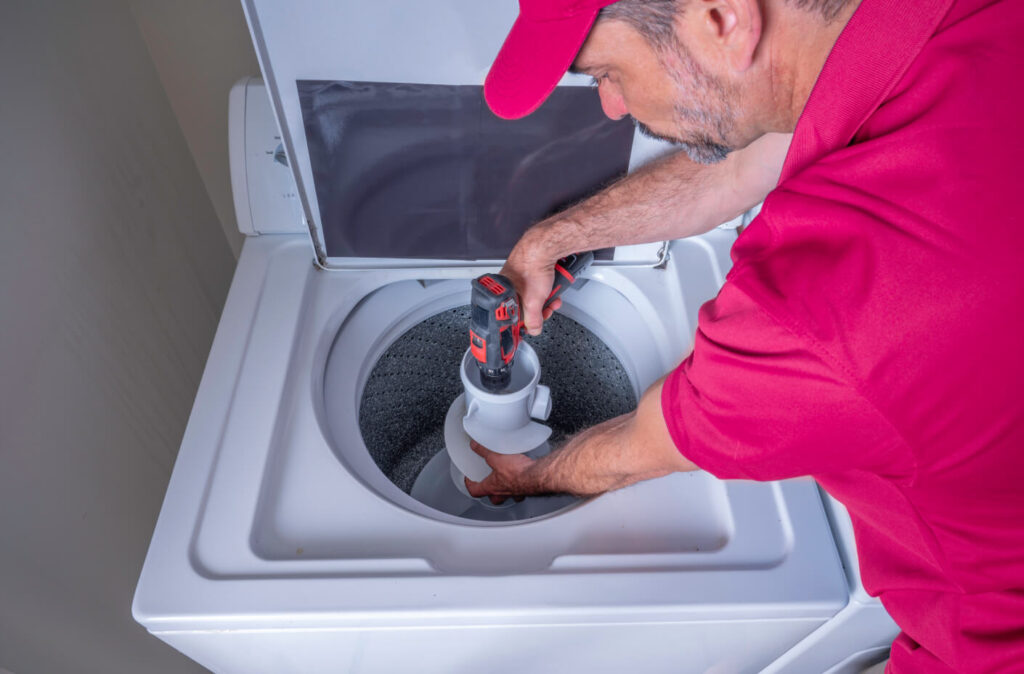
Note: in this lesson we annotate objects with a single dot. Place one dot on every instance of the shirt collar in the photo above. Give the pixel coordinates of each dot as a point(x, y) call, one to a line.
point(874, 50)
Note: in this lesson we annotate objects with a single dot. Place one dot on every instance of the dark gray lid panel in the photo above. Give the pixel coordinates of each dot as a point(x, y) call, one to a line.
point(427, 171)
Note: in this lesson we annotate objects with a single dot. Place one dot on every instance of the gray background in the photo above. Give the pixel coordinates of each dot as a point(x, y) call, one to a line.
point(117, 246)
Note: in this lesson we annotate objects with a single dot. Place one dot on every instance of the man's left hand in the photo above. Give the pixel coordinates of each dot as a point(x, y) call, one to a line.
point(508, 475)
point(616, 453)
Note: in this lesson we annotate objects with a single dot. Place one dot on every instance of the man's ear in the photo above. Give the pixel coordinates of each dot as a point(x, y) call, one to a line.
point(731, 28)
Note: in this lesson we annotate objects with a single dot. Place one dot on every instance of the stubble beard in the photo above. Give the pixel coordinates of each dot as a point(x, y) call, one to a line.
point(710, 111)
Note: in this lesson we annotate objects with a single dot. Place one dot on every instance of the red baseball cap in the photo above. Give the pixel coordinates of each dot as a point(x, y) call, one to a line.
point(539, 49)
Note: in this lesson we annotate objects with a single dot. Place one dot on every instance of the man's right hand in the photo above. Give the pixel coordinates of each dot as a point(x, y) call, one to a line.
point(531, 268)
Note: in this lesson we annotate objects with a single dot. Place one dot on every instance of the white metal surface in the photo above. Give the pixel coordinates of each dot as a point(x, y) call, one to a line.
point(264, 528)
point(862, 631)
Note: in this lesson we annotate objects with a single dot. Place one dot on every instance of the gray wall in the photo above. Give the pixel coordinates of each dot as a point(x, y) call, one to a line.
point(113, 270)
point(200, 48)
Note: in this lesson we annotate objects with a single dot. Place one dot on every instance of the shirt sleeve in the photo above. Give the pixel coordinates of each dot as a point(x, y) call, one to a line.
point(753, 401)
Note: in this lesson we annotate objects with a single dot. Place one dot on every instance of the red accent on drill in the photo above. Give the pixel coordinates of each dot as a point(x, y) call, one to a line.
point(495, 324)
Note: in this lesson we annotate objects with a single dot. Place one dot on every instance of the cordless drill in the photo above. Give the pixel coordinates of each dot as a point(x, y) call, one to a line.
point(496, 324)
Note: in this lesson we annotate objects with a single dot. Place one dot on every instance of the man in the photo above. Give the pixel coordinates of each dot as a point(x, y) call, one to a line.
point(869, 333)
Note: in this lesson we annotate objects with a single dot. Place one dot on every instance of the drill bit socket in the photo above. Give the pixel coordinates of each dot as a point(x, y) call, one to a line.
point(496, 380)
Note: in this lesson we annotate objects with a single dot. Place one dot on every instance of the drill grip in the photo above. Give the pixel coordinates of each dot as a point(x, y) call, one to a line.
point(567, 270)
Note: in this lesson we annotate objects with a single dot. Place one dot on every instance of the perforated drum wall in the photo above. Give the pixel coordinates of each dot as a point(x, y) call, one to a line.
point(409, 390)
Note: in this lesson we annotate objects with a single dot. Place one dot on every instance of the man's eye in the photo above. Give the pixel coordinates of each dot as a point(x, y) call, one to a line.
point(596, 80)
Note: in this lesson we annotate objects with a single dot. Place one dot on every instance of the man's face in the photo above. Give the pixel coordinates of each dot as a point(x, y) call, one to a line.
point(668, 94)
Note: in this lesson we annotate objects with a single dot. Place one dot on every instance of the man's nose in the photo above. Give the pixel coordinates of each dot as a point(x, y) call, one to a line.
point(612, 103)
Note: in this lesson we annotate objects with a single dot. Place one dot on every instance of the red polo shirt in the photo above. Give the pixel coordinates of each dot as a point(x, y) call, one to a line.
point(870, 332)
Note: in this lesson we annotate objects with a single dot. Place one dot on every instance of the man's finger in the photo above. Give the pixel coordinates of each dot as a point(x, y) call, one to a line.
point(534, 296)
point(481, 450)
point(474, 488)
point(552, 308)
point(533, 317)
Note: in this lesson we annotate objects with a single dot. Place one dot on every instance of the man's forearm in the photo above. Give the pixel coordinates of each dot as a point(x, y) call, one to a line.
point(597, 460)
point(671, 198)
point(633, 447)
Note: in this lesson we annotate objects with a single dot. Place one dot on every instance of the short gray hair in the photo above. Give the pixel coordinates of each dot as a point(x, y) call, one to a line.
point(828, 9)
point(654, 19)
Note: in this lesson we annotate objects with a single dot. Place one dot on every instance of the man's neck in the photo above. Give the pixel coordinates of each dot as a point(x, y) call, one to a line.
point(798, 43)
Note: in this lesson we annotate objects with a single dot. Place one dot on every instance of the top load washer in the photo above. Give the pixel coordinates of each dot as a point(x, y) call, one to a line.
point(374, 185)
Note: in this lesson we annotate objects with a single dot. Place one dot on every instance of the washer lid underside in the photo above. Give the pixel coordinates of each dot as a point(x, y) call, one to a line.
point(398, 160)
point(426, 171)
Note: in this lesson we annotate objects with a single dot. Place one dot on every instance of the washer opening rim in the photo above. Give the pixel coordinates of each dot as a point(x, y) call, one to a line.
point(422, 299)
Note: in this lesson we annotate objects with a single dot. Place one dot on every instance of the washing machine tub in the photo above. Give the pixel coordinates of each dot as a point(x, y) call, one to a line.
point(297, 561)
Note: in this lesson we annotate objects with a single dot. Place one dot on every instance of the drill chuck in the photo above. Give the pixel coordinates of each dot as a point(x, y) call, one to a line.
point(497, 380)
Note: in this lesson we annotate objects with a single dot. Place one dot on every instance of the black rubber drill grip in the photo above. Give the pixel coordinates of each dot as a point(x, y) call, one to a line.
point(567, 270)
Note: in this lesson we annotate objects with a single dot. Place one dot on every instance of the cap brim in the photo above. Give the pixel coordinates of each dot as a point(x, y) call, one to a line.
point(534, 57)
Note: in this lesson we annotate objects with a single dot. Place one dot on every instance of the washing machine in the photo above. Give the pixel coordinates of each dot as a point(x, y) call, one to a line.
point(299, 532)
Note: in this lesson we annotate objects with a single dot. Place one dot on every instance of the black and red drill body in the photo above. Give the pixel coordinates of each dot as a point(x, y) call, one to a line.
point(496, 324)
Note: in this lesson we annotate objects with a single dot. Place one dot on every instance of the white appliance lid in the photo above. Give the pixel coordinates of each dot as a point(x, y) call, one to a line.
point(397, 158)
